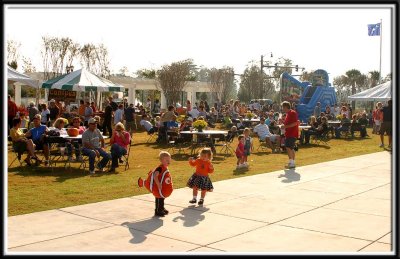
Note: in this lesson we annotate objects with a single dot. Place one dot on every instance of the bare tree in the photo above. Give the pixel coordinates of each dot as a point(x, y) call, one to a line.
point(13, 53)
point(73, 52)
point(102, 61)
point(64, 45)
point(222, 83)
point(88, 55)
point(27, 65)
point(172, 79)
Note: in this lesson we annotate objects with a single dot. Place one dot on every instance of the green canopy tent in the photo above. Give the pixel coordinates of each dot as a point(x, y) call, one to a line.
point(82, 80)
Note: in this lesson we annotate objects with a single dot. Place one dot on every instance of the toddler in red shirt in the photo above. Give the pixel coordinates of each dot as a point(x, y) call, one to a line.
point(240, 152)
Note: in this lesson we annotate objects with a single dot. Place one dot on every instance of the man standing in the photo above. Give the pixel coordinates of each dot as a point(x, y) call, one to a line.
point(93, 146)
point(12, 111)
point(130, 118)
point(119, 114)
point(113, 104)
point(317, 110)
point(107, 119)
point(33, 110)
point(82, 108)
point(386, 123)
point(291, 126)
point(88, 113)
point(54, 112)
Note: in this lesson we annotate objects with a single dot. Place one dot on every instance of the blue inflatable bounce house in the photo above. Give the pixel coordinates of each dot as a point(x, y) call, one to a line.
point(307, 94)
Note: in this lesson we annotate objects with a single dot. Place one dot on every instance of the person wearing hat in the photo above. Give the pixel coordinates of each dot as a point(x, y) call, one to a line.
point(32, 111)
point(93, 146)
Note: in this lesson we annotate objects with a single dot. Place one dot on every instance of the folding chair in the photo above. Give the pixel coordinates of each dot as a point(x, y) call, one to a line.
point(125, 158)
point(226, 142)
point(173, 143)
point(85, 161)
point(323, 137)
point(198, 142)
point(152, 136)
point(356, 127)
point(347, 132)
point(55, 154)
point(261, 144)
point(18, 156)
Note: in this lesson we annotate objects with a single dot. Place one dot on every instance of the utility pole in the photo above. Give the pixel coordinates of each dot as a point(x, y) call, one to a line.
point(261, 78)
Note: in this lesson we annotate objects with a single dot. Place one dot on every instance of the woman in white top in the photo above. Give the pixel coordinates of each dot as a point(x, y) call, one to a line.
point(45, 114)
point(59, 126)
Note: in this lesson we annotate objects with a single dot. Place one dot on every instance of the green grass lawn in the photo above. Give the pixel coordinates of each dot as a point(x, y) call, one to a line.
point(37, 188)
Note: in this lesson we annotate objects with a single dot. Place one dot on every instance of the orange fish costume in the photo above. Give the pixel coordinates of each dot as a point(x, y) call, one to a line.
point(164, 177)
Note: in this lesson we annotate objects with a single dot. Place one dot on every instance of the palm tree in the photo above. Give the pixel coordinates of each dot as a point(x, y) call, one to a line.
point(374, 77)
point(354, 77)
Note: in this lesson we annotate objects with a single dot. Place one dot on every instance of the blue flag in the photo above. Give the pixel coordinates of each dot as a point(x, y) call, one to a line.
point(374, 29)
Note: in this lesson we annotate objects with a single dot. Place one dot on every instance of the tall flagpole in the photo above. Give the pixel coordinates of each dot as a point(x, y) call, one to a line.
point(380, 54)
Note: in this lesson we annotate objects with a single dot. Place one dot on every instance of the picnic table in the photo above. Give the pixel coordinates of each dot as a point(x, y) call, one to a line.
point(210, 133)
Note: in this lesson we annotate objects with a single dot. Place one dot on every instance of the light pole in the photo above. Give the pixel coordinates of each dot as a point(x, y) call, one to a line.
point(261, 75)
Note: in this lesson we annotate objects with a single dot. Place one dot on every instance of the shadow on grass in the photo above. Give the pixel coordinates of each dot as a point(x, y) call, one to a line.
point(61, 173)
point(239, 171)
point(307, 146)
point(140, 229)
point(180, 156)
point(291, 176)
point(190, 216)
point(261, 153)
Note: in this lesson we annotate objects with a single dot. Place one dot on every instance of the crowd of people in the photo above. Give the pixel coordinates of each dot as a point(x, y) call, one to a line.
point(268, 122)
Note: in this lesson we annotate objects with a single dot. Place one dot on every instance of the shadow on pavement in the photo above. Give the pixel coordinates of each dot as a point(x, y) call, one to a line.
point(291, 176)
point(191, 217)
point(140, 229)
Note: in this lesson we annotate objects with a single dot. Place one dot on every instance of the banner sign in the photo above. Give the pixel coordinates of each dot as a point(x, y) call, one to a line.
point(62, 95)
point(290, 90)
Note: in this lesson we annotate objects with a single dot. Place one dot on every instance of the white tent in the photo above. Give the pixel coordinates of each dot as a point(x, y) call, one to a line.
point(82, 80)
point(382, 92)
point(15, 76)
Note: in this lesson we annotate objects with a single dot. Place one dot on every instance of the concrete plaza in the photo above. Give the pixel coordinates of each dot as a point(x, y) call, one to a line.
point(337, 206)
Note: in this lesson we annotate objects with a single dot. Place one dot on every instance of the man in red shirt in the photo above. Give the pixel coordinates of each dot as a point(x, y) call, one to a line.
point(291, 126)
point(12, 111)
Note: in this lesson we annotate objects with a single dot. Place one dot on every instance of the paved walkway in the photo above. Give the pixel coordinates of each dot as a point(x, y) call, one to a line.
point(337, 206)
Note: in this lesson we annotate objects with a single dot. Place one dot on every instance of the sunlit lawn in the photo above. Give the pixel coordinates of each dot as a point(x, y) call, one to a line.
point(38, 188)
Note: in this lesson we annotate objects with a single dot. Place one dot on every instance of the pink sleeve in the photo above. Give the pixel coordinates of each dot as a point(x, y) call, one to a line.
point(127, 137)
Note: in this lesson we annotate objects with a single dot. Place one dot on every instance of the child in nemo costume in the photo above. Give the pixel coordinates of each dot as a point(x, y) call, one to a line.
point(200, 179)
point(159, 183)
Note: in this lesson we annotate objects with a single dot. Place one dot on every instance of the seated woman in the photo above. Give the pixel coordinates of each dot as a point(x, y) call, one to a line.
point(321, 128)
point(76, 123)
point(21, 143)
point(119, 141)
point(59, 126)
